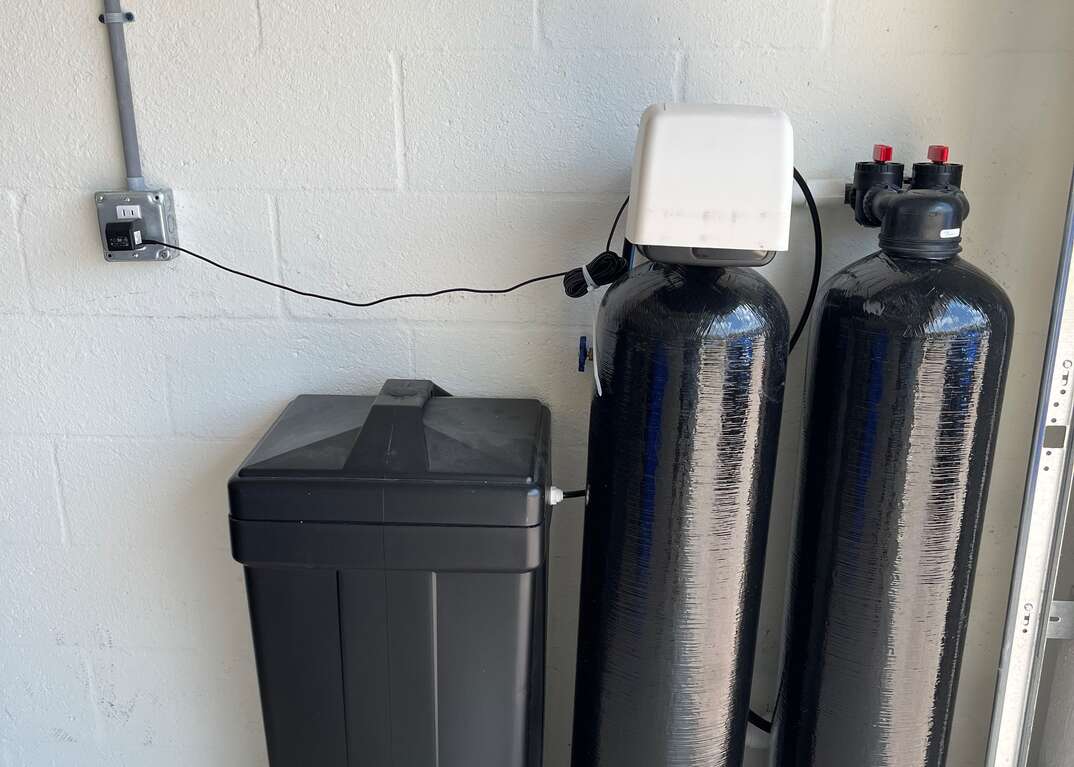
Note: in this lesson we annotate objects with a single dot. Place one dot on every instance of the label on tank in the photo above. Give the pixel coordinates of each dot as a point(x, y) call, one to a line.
point(949, 233)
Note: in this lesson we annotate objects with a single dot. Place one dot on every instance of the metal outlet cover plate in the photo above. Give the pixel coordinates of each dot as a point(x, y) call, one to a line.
point(156, 209)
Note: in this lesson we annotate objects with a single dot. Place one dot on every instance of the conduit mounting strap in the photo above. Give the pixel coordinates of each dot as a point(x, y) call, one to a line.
point(124, 17)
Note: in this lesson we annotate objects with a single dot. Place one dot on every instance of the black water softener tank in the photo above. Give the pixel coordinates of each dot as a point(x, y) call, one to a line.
point(395, 557)
point(682, 447)
point(909, 354)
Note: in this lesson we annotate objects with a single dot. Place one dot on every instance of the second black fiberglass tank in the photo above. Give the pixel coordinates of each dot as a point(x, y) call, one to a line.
point(910, 351)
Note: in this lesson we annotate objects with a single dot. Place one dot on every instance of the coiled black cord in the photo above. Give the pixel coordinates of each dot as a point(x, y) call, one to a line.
point(605, 269)
point(602, 270)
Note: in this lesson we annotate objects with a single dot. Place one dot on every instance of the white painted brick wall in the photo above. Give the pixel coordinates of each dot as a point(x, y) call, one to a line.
point(13, 287)
point(574, 24)
point(65, 375)
point(403, 25)
point(315, 117)
point(528, 121)
point(369, 147)
point(232, 359)
point(30, 489)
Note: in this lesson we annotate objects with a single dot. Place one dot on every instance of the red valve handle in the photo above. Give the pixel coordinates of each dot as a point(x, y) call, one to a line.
point(939, 153)
point(882, 153)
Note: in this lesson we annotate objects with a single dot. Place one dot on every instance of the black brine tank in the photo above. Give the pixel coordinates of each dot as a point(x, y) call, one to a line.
point(910, 349)
point(682, 447)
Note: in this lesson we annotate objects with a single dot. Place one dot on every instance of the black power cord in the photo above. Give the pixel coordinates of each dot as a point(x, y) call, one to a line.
point(359, 304)
point(605, 269)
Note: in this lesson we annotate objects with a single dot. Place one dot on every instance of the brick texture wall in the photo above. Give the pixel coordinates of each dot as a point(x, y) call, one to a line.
point(369, 147)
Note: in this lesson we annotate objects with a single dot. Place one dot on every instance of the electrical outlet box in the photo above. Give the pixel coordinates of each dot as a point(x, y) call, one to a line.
point(155, 209)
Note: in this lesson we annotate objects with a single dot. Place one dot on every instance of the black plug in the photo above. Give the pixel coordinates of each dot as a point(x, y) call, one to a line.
point(124, 235)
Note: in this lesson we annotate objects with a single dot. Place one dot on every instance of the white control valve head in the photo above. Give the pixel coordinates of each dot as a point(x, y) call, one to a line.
point(712, 184)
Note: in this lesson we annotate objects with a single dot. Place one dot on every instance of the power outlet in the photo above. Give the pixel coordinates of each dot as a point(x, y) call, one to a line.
point(156, 210)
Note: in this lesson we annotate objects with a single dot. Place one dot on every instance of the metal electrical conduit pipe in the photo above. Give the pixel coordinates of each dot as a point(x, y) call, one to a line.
point(114, 18)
